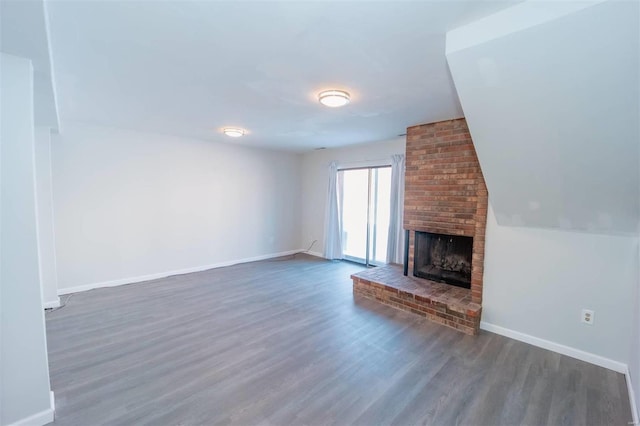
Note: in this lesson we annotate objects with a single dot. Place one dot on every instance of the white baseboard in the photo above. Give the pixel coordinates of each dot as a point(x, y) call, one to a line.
point(632, 398)
point(149, 277)
point(557, 347)
point(314, 253)
point(52, 304)
point(42, 418)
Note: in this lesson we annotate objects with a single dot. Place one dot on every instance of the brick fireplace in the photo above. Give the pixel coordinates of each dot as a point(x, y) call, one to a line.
point(445, 192)
point(446, 207)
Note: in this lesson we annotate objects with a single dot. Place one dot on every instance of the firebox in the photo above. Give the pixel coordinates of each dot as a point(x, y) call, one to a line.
point(443, 258)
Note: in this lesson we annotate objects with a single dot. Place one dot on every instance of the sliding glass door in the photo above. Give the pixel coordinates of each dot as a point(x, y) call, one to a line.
point(366, 195)
point(355, 210)
point(381, 208)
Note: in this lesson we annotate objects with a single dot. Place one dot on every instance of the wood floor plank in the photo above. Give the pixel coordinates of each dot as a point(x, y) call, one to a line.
point(284, 342)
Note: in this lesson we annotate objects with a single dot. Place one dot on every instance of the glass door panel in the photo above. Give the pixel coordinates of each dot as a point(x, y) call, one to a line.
point(355, 206)
point(381, 206)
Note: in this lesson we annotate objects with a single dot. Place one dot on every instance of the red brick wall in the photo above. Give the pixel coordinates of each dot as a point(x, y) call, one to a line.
point(445, 190)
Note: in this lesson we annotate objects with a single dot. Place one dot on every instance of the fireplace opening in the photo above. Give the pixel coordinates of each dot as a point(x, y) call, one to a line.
point(443, 258)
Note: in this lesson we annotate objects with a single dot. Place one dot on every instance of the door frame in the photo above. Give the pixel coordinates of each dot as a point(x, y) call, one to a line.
point(370, 165)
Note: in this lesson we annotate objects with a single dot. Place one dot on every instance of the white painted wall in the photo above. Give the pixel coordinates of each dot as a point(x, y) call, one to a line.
point(44, 193)
point(130, 204)
point(634, 358)
point(556, 132)
point(315, 181)
point(24, 370)
point(537, 282)
point(24, 32)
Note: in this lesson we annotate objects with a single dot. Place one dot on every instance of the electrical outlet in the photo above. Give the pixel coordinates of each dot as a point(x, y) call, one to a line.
point(588, 316)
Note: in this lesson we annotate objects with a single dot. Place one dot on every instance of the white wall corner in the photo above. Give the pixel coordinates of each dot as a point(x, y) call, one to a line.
point(57, 128)
point(632, 397)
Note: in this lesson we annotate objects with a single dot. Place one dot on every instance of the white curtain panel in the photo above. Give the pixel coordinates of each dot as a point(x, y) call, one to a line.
point(395, 246)
point(332, 222)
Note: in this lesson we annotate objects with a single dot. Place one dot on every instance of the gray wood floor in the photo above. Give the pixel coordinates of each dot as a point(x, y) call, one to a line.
point(284, 342)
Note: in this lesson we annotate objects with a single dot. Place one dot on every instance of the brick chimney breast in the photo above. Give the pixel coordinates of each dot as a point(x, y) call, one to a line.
point(445, 192)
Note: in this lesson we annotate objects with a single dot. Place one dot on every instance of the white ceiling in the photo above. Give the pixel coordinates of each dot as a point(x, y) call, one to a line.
point(553, 107)
point(189, 68)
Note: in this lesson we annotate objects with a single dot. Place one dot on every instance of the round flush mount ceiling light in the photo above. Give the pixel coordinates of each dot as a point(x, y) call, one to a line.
point(234, 132)
point(334, 98)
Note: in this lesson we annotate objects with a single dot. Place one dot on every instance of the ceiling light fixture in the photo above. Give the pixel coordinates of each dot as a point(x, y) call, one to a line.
point(334, 98)
point(233, 132)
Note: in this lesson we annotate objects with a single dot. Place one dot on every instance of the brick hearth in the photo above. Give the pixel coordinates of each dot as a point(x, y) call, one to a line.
point(445, 193)
point(441, 303)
